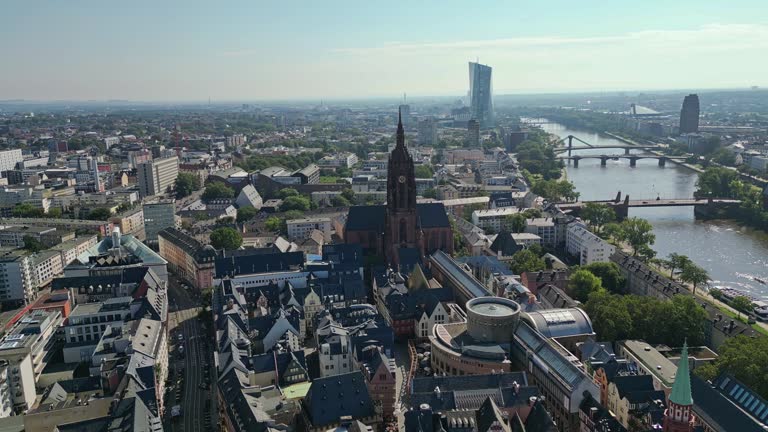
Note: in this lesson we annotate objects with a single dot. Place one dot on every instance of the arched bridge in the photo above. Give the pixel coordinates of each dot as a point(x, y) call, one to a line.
point(632, 158)
point(702, 206)
point(587, 146)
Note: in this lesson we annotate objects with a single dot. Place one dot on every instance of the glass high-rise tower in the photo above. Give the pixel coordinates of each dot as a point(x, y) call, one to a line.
point(480, 96)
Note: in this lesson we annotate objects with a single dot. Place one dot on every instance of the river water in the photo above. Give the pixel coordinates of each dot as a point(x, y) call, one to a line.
point(732, 254)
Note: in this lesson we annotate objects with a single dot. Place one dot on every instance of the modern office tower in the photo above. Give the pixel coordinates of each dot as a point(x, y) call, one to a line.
point(480, 96)
point(405, 113)
point(689, 115)
point(158, 215)
point(428, 131)
point(9, 158)
point(473, 133)
point(157, 175)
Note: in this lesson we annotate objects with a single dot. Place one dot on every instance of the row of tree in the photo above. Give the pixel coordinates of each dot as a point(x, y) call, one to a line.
point(718, 182)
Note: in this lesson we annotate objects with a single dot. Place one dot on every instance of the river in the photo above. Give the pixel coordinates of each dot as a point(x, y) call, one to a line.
point(732, 254)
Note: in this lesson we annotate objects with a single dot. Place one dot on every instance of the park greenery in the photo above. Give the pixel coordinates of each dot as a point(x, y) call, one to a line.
point(296, 202)
point(226, 238)
point(718, 182)
point(620, 317)
point(217, 190)
point(515, 223)
point(257, 162)
point(582, 283)
point(554, 190)
point(244, 214)
point(186, 183)
point(597, 215)
point(610, 276)
point(423, 171)
point(537, 156)
point(32, 244)
point(635, 232)
point(744, 357)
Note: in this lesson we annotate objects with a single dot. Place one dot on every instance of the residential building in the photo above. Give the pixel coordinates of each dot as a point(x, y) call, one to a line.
point(689, 114)
point(187, 258)
point(13, 237)
point(338, 160)
point(155, 177)
point(494, 219)
point(586, 246)
point(249, 196)
point(130, 222)
point(480, 94)
point(24, 352)
point(300, 229)
point(309, 174)
point(544, 228)
point(71, 249)
point(17, 278)
point(87, 323)
point(473, 134)
point(158, 215)
point(379, 372)
point(46, 265)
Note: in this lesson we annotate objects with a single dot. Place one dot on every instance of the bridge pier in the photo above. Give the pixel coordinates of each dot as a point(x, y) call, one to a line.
point(603, 160)
point(633, 162)
point(576, 162)
point(662, 161)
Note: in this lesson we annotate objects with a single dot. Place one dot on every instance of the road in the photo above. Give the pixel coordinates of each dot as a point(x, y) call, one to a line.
point(197, 402)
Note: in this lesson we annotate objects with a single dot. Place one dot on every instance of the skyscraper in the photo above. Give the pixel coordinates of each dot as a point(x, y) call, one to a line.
point(689, 114)
point(428, 131)
point(480, 97)
point(473, 134)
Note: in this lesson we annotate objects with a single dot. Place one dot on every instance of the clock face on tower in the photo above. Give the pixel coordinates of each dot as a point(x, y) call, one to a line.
point(401, 179)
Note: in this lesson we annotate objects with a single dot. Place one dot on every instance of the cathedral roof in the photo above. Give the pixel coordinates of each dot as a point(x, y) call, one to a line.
point(371, 217)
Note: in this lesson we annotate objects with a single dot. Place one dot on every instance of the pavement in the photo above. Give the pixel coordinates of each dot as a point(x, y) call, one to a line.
point(198, 404)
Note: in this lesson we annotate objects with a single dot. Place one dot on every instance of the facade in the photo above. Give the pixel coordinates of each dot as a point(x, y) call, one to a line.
point(249, 196)
point(17, 286)
point(473, 133)
point(689, 114)
point(46, 265)
point(301, 229)
point(380, 376)
point(156, 176)
point(71, 249)
point(130, 222)
point(401, 224)
point(158, 216)
point(428, 131)
point(188, 258)
point(494, 219)
point(480, 94)
point(585, 245)
point(9, 159)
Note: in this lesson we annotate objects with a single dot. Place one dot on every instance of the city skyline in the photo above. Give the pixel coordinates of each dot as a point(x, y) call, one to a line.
point(185, 51)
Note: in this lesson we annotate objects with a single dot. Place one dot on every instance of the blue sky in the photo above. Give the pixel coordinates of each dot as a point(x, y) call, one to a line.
point(255, 50)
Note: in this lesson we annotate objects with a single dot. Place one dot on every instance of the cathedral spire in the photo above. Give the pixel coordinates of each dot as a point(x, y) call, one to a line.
point(400, 130)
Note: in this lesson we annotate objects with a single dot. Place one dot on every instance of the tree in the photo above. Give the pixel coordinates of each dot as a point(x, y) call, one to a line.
point(526, 261)
point(515, 222)
point(287, 192)
point(582, 283)
point(555, 191)
point(693, 274)
point(610, 319)
point(598, 214)
point(724, 157)
point(273, 223)
point(54, 213)
point(746, 358)
point(716, 182)
point(610, 276)
point(340, 201)
point(430, 193)
point(532, 213)
point(217, 190)
point(676, 261)
point(295, 202)
point(638, 233)
point(99, 213)
point(226, 238)
point(423, 171)
point(26, 210)
point(186, 183)
point(742, 304)
point(246, 213)
point(349, 194)
point(32, 244)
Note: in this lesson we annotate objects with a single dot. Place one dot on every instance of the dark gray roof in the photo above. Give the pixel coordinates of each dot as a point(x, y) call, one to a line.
point(333, 397)
point(467, 282)
point(718, 411)
point(467, 382)
point(743, 396)
point(554, 323)
point(235, 264)
point(372, 217)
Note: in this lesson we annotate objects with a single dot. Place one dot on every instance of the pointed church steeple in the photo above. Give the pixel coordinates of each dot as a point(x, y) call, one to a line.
point(400, 130)
point(681, 389)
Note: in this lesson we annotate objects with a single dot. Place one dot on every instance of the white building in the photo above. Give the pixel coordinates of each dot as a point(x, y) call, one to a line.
point(587, 246)
point(300, 229)
point(335, 357)
point(339, 160)
point(544, 228)
point(24, 353)
point(17, 285)
point(9, 158)
point(156, 176)
point(249, 196)
point(111, 141)
point(492, 218)
point(436, 314)
point(526, 239)
point(47, 265)
point(71, 249)
point(87, 323)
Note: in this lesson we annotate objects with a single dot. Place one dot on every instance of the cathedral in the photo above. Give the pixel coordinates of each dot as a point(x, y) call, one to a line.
point(401, 230)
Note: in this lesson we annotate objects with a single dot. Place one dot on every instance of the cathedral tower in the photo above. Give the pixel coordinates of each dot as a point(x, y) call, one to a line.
point(678, 416)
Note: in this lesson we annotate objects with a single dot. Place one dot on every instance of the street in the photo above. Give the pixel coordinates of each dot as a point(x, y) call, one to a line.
point(195, 394)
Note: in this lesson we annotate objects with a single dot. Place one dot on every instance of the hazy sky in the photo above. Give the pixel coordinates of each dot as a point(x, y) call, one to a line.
point(256, 50)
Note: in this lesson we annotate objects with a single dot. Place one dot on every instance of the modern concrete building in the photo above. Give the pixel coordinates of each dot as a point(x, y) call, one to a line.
point(585, 245)
point(473, 133)
point(9, 159)
point(428, 131)
point(480, 94)
point(17, 286)
point(300, 229)
point(159, 215)
point(249, 196)
point(156, 176)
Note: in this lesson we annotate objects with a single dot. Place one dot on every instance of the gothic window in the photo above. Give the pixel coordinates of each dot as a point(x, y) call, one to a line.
point(403, 231)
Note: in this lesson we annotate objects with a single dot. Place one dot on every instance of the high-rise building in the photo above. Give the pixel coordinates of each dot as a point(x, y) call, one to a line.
point(9, 158)
point(428, 131)
point(473, 133)
point(158, 215)
point(689, 114)
point(480, 94)
point(157, 175)
point(405, 115)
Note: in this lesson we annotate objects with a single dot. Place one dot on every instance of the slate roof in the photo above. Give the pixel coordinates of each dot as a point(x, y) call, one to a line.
point(237, 406)
point(740, 394)
point(505, 243)
point(240, 263)
point(488, 414)
point(333, 397)
point(716, 410)
point(467, 382)
point(603, 419)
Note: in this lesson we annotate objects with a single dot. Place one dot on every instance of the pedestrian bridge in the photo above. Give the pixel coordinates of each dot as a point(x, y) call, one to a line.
point(621, 207)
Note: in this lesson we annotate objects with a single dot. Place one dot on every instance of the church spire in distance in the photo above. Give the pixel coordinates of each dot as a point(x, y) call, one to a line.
point(400, 130)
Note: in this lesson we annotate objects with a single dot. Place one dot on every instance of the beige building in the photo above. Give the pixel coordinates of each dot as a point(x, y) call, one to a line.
point(155, 177)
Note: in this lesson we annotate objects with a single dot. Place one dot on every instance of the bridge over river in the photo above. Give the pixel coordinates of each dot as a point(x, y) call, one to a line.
point(587, 146)
point(702, 206)
point(633, 158)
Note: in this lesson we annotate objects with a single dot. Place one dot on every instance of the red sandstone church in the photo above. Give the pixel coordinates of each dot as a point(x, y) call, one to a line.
point(400, 227)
